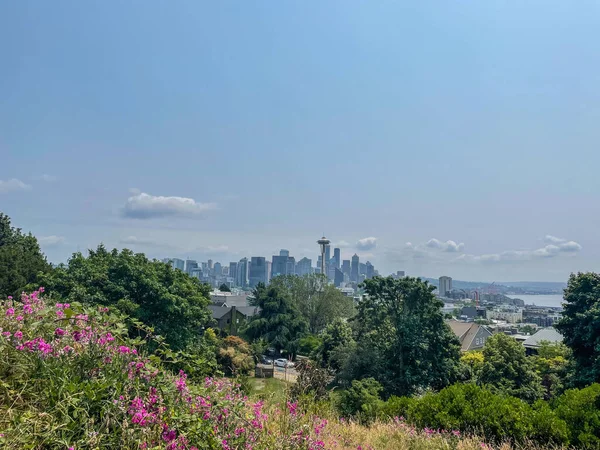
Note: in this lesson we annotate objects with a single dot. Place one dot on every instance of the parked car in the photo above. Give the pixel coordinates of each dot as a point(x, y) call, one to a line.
point(265, 360)
point(282, 362)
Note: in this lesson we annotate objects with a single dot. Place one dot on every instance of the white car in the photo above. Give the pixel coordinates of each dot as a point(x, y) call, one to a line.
point(282, 362)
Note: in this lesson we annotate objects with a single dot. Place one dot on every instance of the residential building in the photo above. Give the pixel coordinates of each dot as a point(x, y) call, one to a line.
point(229, 319)
point(445, 285)
point(258, 271)
point(471, 335)
point(304, 267)
point(549, 334)
point(354, 274)
point(508, 316)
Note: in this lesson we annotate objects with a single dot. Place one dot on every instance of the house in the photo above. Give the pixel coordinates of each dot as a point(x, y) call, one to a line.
point(549, 334)
point(471, 335)
point(229, 318)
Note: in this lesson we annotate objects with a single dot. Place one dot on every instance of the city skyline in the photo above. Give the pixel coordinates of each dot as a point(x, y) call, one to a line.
point(426, 137)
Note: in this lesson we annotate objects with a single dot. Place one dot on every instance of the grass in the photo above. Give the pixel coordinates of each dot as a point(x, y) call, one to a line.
point(271, 390)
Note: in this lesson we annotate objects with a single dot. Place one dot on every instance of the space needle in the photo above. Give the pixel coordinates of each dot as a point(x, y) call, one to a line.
point(323, 242)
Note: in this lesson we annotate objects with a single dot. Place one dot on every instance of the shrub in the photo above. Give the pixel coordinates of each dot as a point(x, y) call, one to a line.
point(361, 400)
point(580, 409)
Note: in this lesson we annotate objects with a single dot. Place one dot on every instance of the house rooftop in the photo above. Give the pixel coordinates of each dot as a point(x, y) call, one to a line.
point(549, 334)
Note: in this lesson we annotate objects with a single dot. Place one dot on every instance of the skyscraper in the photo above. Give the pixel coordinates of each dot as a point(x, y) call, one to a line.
point(346, 269)
point(284, 264)
point(338, 258)
point(304, 267)
point(217, 269)
point(258, 271)
point(354, 274)
point(210, 264)
point(233, 270)
point(190, 264)
point(338, 278)
point(445, 285)
point(242, 273)
point(284, 252)
point(175, 263)
point(370, 270)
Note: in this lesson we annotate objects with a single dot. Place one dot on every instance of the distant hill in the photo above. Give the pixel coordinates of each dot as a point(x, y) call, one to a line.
point(506, 286)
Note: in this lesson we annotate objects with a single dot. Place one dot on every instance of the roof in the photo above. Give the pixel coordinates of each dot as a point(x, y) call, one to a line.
point(545, 334)
point(465, 332)
point(219, 311)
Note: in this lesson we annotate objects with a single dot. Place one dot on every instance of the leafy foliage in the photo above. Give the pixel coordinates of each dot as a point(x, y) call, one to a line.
point(361, 400)
point(21, 259)
point(580, 325)
point(319, 302)
point(507, 370)
point(235, 356)
point(336, 336)
point(168, 300)
point(554, 365)
point(311, 381)
point(402, 340)
point(279, 322)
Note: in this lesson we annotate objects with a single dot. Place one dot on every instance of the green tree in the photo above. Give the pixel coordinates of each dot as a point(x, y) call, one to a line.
point(279, 322)
point(224, 288)
point(361, 400)
point(336, 336)
point(21, 260)
point(168, 300)
point(235, 356)
point(317, 300)
point(402, 340)
point(553, 364)
point(507, 370)
point(580, 325)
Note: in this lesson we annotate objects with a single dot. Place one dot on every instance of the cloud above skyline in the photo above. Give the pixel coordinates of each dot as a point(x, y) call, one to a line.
point(365, 244)
point(145, 206)
point(50, 241)
point(47, 178)
point(14, 184)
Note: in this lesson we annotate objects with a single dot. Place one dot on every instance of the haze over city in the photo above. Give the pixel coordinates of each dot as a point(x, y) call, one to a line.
point(436, 139)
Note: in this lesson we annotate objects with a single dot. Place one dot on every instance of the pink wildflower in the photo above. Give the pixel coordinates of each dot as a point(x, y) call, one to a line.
point(10, 312)
point(59, 332)
point(19, 335)
point(19, 318)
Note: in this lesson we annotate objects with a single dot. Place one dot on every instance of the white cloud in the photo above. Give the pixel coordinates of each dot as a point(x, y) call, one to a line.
point(134, 240)
point(368, 243)
point(448, 246)
point(51, 241)
point(557, 248)
point(13, 185)
point(341, 244)
point(146, 206)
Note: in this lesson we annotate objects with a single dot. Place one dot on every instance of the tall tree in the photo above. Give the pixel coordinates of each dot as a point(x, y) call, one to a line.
point(336, 336)
point(21, 260)
point(169, 300)
point(402, 339)
point(507, 370)
point(580, 325)
point(317, 300)
point(279, 322)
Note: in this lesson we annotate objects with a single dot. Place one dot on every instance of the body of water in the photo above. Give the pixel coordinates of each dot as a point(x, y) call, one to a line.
point(540, 300)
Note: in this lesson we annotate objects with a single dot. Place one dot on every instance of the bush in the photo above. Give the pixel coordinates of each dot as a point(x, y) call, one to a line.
point(361, 400)
point(580, 409)
point(70, 377)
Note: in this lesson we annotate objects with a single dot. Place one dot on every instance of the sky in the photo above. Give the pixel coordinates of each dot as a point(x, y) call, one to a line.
point(439, 138)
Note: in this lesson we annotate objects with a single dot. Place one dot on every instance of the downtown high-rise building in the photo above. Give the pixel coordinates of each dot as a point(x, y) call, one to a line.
point(241, 278)
point(337, 257)
point(284, 264)
point(190, 265)
point(445, 285)
point(258, 271)
point(304, 267)
point(175, 263)
point(370, 270)
point(346, 268)
point(354, 273)
point(217, 269)
point(338, 277)
point(233, 270)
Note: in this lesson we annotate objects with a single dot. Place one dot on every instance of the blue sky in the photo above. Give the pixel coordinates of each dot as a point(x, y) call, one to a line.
point(231, 129)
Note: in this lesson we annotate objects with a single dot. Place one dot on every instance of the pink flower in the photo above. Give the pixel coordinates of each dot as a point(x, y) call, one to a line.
point(10, 312)
point(10, 297)
point(59, 332)
point(19, 334)
point(19, 318)
point(27, 309)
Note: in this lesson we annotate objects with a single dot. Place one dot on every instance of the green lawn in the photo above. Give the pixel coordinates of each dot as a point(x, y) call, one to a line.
point(270, 390)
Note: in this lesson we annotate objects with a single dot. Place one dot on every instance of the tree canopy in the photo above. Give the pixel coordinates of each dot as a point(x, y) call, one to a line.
point(279, 322)
point(402, 339)
point(507, 370)
point(317, 300)
point(580, 325)
point(21, 259)
point(168, 300)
